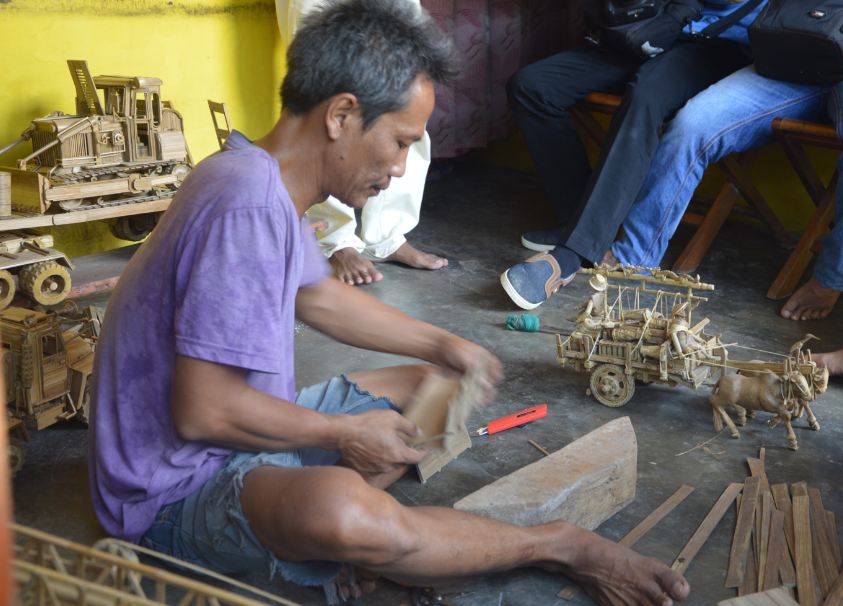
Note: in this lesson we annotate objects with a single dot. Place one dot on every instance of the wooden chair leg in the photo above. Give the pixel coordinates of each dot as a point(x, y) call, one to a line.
point(735, 172)
point(790, 274)
point(691, 257)
point(802, 165)
point(589, 125)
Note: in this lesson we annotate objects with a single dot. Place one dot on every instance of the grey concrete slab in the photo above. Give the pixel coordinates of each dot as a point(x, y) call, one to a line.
point(475, 216)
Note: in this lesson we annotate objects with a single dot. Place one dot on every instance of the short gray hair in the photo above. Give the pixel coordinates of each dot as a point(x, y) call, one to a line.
point(373, 49)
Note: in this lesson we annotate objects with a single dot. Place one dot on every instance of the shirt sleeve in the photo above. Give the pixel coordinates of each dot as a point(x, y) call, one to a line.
point(315, 268)
point(232, 280)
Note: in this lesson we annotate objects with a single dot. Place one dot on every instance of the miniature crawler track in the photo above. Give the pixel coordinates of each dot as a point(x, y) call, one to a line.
point(120, 201)
point(95, 173)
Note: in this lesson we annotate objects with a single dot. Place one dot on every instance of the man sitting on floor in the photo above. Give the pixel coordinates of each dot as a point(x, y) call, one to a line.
point(200, 446)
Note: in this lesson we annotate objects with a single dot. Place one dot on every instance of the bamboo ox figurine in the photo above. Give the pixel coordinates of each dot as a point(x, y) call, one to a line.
point(785, 395)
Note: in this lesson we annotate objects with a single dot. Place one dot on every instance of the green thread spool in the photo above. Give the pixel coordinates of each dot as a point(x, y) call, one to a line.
point(522, 323)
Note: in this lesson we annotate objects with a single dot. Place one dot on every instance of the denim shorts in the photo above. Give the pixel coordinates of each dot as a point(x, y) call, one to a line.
point(209, 527)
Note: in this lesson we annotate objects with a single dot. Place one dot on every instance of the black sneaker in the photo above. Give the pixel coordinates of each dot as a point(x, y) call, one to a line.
point(541, 240)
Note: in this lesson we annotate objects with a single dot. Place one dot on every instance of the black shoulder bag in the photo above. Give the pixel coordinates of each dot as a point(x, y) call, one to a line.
point(646, 28)
point(799, 41)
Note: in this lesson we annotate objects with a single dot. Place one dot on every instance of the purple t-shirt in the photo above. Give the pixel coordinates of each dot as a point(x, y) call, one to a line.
point(217, 281)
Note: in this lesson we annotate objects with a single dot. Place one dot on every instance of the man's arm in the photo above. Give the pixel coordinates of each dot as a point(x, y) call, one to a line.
point(214, 403)
point(350, 315)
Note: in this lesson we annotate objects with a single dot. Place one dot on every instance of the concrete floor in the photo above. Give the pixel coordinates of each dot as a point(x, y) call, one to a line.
point(474, 217)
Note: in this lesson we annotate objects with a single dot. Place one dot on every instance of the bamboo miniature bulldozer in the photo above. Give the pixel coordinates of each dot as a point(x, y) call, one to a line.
point(46, 369)
point(131, 148)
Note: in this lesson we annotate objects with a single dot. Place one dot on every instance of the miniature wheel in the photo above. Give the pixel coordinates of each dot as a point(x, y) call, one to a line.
point(71, 204)
point(7, 288)
point(17, 456)
point(611, 386)
point(180, 172)
point(48, 283)
point(135, 227)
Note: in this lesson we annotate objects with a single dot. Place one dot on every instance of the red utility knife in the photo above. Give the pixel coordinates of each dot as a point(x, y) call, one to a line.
point(528, 415)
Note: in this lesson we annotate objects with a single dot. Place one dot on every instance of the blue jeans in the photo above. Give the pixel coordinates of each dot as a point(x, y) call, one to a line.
point(209, 527)
point(592, 206)
point(733, 115)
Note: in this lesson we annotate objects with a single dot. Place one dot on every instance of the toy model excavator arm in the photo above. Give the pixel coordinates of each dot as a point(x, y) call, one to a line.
point(25, 136)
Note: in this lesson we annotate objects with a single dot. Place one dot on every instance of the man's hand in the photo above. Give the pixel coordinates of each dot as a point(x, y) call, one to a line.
point(374, 442)
point(465, 357)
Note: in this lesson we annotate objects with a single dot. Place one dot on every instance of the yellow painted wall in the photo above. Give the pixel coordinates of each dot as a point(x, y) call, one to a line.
point(225, 50)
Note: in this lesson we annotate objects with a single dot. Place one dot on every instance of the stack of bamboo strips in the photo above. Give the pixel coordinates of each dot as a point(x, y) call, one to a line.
point(784, 537)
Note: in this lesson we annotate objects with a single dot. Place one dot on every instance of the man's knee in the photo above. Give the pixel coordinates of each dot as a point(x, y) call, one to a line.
point(535, 86)
point(522, 85)
point(362, 524)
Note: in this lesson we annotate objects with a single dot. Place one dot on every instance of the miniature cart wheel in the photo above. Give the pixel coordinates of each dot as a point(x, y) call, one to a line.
point(48, 283)
point(180, 172)
point(71, 204)
point(611, 386)
point(7, 288)
point(134, 227)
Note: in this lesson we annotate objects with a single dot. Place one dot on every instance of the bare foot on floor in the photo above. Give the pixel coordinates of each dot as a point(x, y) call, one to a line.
point(811, 302)
point(353, 268)
point(833, 361)
point(356, 585)
point(409, 255)
point(614, 575)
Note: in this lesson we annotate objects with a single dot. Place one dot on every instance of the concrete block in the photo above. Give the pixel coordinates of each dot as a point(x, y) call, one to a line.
point(585, 483)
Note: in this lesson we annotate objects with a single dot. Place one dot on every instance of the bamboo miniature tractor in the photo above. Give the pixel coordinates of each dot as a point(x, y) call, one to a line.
point(46, 370)
point(42, 272)
point(129, 149)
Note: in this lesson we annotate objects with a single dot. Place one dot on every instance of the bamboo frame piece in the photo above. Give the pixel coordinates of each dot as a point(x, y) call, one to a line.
point(773, 597)
point(823, 554)
point(779, 566)
point(52, 570)
point(781, 495)
point(706, 527)
point(835, 594)
point(743, 532)
point(764, 538)
point(804, 560)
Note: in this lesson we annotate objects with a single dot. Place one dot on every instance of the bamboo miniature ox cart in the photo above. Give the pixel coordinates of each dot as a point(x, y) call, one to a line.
point(640, 328)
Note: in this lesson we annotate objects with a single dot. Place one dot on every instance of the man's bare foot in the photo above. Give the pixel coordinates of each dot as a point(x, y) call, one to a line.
point(353, 268)
point(614, 575)
point(833, 361)
point(409, 255)
point(353, 582)
point(811, 302)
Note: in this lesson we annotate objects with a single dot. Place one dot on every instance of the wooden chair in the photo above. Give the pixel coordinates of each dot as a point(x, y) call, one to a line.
point(708, 223)
point(793, 134)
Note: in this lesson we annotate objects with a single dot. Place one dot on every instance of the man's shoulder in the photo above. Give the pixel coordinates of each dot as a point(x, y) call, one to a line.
point(234, 179)
point(245, 169)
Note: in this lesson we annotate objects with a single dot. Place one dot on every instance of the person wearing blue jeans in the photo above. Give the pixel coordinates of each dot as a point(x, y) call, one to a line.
point(734, 115)
point(592, 209)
